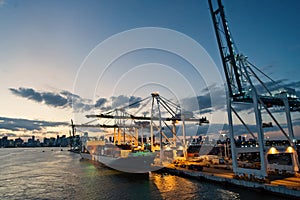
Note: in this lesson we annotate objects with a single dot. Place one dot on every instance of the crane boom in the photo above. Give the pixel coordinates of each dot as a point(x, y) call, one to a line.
point(232, 71)
point(132, 117)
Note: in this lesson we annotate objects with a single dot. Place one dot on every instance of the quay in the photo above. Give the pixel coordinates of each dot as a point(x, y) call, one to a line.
point(280, 185)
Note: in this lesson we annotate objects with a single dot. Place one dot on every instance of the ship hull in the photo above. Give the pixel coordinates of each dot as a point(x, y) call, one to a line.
point(130, 164)
point(120, 157)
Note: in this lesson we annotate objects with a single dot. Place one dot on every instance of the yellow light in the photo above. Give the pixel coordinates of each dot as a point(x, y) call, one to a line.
point(289, 150)
point(168, 148)
point(273, 150)
point(180, 148)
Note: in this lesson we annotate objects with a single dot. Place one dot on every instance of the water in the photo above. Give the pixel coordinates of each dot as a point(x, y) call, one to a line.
point(49, 173)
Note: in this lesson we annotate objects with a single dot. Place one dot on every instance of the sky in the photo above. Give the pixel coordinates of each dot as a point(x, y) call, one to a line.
point(63, 59)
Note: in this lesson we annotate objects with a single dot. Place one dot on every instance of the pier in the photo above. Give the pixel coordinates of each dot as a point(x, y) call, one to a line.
point(279, 185)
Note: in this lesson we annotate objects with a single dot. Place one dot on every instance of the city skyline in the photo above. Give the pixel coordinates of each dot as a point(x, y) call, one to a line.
point(47, 45)
point(58, 141)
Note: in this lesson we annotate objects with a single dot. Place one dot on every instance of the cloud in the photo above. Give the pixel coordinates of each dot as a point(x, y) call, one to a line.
point(119, 101)
point(134, 101)
point(48, 98)
point(28, 93)
point(122, 100)
point(204, 102)
point(66, 99)
point(100, 102)
point(17, 124)
point(69, 94)
point(8, 135)
point(55, 100)
point(76, 102)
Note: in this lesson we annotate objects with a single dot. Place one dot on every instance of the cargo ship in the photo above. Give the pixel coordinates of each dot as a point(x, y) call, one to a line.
point(122, 157)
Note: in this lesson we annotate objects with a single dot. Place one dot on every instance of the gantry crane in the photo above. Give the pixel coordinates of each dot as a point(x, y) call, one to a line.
point(245, 87)
point(121, 119)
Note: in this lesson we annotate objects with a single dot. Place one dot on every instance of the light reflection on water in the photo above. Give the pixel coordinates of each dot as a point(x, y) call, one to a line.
point(49, 173)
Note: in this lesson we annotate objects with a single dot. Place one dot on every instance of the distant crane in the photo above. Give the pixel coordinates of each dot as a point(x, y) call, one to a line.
point(244, 87)
point(119, 118)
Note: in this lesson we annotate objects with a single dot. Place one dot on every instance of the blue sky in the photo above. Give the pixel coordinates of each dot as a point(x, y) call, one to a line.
point(44, 45)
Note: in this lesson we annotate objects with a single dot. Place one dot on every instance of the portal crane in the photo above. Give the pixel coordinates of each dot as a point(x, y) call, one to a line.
point(119, 118)
point(244, 86)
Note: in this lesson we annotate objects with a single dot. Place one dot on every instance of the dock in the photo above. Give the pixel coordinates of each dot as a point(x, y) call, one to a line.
point(279, 185)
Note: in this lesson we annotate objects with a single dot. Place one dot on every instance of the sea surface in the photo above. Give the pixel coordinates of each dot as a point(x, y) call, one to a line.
point(55, 173)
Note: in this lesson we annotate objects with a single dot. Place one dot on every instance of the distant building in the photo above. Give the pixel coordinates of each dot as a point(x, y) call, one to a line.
point(46, 142)
point(19, 142)
point(31, 142)
point(4, 141)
